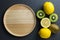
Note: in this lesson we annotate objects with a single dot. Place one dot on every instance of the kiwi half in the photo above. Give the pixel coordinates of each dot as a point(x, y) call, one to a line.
point(40, 14)
point(53, 17)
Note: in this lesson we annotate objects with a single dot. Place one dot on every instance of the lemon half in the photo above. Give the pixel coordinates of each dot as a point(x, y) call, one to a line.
point(45, 22)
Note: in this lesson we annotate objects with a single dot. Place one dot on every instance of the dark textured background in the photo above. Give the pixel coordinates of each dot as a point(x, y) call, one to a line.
point(35, 5)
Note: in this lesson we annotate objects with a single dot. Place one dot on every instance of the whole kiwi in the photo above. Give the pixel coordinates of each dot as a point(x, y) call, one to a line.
point(54, 28)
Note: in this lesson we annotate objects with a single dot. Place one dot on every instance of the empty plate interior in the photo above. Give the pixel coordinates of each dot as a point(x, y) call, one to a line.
point(19, 20)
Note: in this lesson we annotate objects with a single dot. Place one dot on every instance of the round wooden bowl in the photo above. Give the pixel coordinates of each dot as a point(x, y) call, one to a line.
point(19, 20)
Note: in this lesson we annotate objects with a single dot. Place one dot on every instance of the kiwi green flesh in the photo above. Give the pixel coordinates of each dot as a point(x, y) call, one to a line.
point(40, 14)
point(53, 18)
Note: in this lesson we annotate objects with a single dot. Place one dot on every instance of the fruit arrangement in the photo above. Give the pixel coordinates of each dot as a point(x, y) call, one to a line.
point(47, 22)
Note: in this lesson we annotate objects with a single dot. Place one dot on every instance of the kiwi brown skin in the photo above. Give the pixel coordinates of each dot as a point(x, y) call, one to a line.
point(54, 28)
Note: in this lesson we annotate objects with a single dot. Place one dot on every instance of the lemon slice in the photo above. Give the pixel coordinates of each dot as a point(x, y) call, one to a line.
point(45, 22)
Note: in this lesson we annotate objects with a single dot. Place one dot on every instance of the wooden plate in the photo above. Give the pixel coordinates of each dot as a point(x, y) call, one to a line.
point(19, 20)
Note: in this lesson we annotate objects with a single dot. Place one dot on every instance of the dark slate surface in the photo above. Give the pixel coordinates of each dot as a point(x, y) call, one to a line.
point(35, 5)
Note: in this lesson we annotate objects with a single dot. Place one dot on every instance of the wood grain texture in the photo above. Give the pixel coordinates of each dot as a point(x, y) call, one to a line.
point(19, 20)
